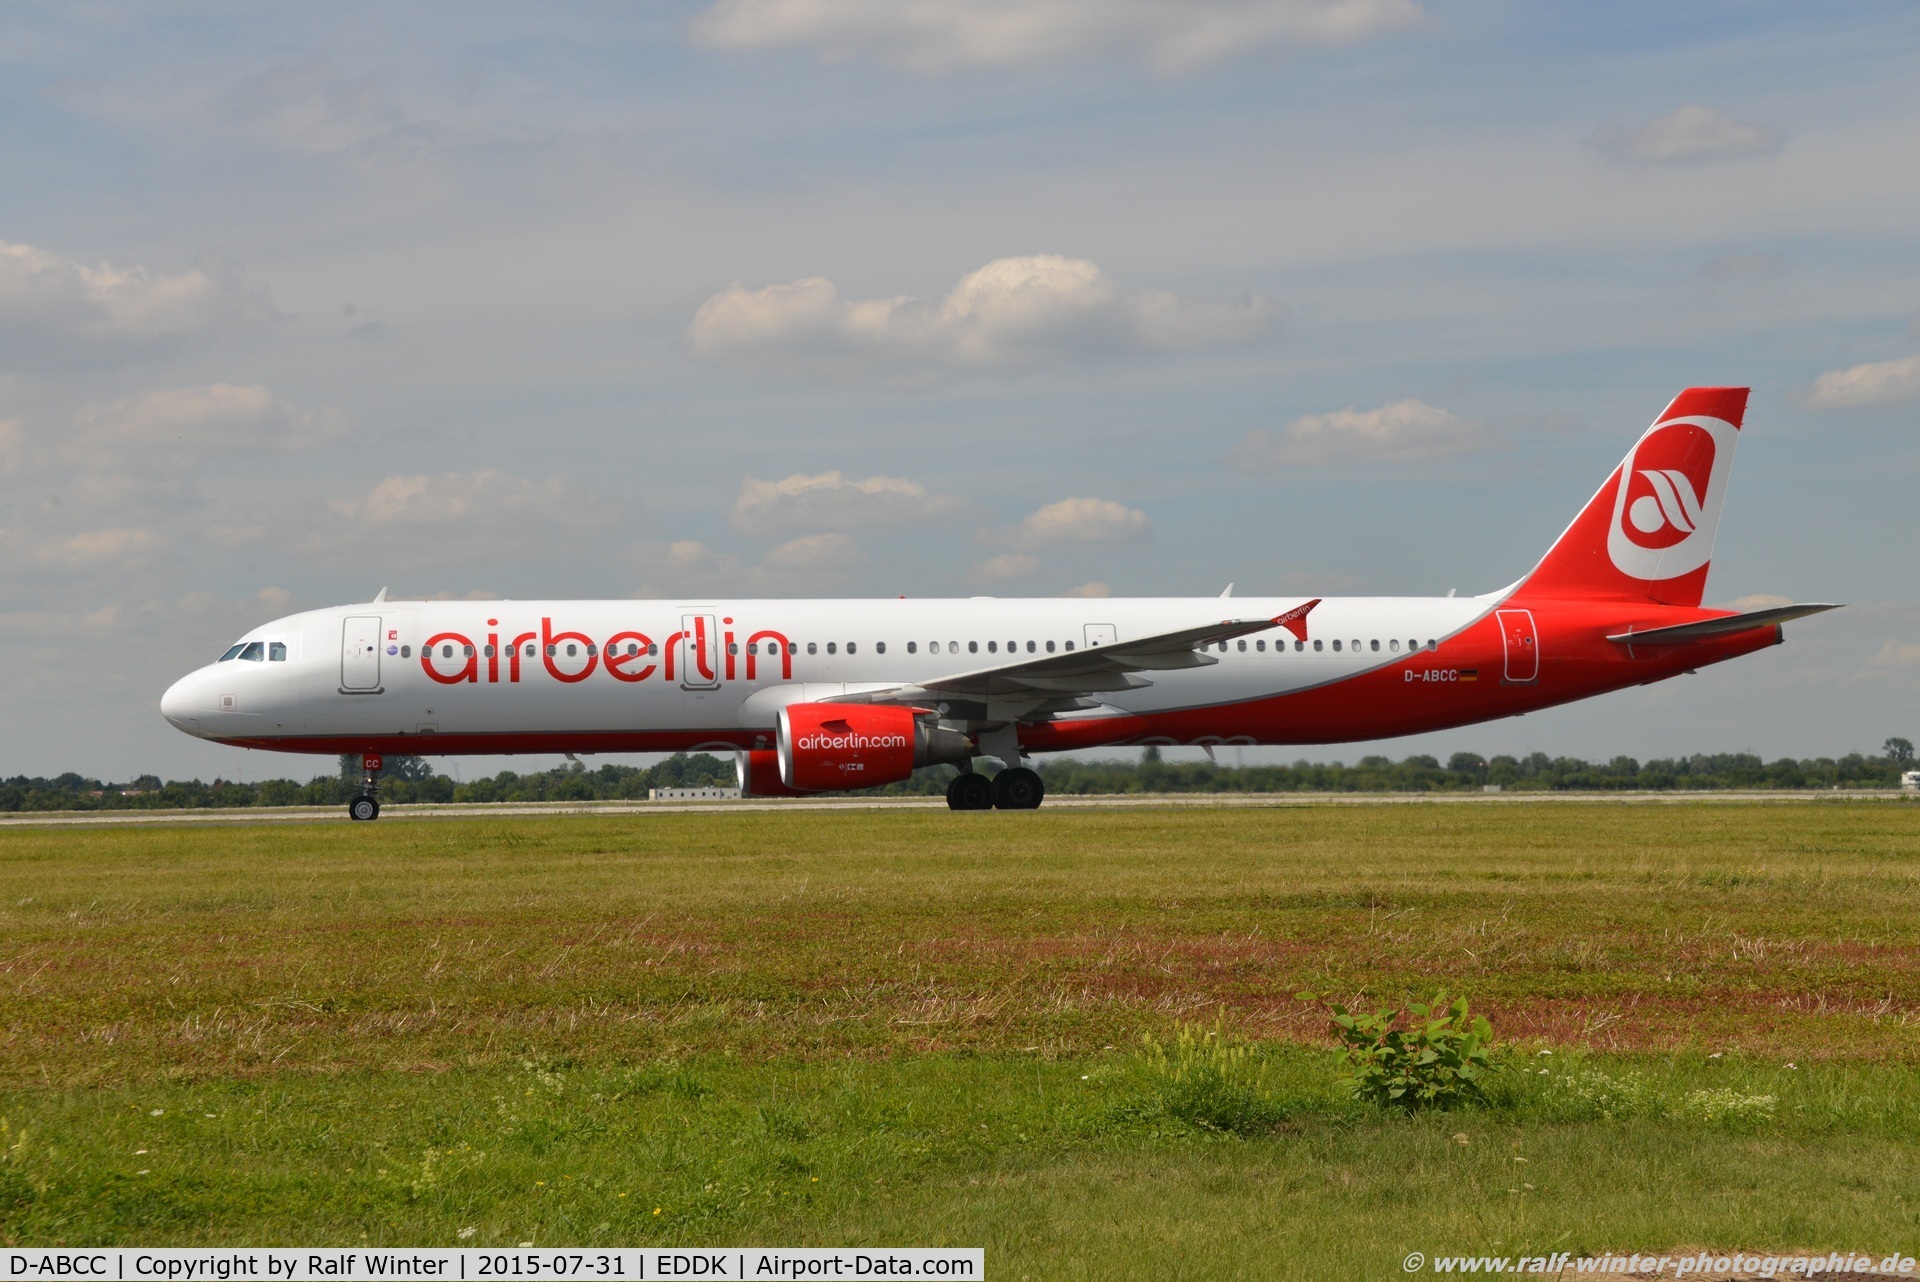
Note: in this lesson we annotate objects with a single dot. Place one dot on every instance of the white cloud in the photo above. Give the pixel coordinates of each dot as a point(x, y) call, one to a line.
point(1740, 266)
point(221, 416)
point(450, 519)
point(830, 501)
point(488, 497)
point(1898, 654)
point(121, 547)
point(1094, 589)
point(1008, 565)
point(1691, 135)
point(1012, 315)
point(51, 306)
point(1083, 520)
point(1867, 386)
point(813, 553)
point(312, 106)
point(937, 36)
point(1406, 431)
point(807, 563)
point(1759, 601)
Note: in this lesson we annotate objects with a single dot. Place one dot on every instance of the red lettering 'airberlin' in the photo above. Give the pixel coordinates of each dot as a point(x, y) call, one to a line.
point(549, 644)
point(469, 671)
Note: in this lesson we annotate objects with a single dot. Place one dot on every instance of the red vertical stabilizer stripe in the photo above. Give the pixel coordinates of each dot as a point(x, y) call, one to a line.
point(1655, 541)
point(1725, 403)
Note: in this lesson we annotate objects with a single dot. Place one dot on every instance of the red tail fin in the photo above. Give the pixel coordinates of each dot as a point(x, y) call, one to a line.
point(1648, 533)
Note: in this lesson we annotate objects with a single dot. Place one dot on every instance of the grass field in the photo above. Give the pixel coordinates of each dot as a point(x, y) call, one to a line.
point(926, 1028)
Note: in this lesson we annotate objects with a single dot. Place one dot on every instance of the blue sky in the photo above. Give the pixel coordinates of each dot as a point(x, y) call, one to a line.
point(298, 303)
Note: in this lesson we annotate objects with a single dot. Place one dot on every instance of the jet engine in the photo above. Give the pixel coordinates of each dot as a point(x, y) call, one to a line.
point(758, 771)
point(827, 747)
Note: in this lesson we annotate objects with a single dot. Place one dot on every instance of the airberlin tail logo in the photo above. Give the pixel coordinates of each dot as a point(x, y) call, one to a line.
point(1667, 504)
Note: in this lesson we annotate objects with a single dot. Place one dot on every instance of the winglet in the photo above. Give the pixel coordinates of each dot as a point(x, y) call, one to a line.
point(1295, 620)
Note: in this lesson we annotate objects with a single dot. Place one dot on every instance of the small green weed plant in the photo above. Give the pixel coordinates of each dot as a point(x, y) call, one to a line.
point(1431, 1055)
point(1724, 1106)
point(1210, 1081)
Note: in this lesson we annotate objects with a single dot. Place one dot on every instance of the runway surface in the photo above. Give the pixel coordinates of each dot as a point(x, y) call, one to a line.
point(338, 814)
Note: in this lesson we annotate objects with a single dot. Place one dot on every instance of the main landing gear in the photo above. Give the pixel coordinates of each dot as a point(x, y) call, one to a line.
point(365, 808)
point(1016, 788)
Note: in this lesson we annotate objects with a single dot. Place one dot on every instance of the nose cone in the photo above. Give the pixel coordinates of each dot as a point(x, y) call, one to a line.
point(180, 705)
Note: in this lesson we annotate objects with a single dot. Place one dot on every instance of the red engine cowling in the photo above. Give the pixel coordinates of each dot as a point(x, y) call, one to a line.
point(828, 747)
point(759, 774)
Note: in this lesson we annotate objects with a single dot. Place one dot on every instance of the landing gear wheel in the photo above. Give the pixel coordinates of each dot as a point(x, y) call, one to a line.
point(970, 792)
point(364, 809)
point(1018, 788)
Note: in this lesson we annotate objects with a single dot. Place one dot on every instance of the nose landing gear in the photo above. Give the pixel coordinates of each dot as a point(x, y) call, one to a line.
point(365, 808)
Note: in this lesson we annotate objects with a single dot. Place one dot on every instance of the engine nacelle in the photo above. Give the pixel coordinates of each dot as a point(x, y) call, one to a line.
point(830, 747)
point(759, 774)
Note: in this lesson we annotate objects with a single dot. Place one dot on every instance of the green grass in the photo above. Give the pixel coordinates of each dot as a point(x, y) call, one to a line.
point(926, 1028)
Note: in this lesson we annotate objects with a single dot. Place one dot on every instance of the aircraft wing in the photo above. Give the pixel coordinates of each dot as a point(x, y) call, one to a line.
point(1707, 629)
point(1095, 670)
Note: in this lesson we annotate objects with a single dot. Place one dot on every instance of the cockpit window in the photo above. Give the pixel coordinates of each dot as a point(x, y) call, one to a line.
point(231, 653)
point(276, 651)
point(255, 652)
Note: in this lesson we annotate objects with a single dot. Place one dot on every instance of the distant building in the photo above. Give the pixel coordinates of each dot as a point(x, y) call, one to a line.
point(693, 794)
point(1910, 781)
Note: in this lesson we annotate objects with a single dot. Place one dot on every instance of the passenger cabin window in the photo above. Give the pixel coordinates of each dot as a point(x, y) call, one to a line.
point(1049, 647)
point(993, 647)
point(1260, 645)
point(406, 652)
point(1432, 644)
point(233, 653)
point(1069, 645)
point(1336, 645)
point(1374, 644)
point(953, 647)
point(850, 647)
point(1394, 645)
point(1243, 647)
point(256, 652)
point(832, 647)
point(879, 647)
point(276, 652)
point(1318, 644)
point(973, 647)
point(912, 647)
point(813, 647)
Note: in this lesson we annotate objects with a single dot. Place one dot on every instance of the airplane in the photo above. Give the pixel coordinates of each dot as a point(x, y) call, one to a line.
point(820, 696)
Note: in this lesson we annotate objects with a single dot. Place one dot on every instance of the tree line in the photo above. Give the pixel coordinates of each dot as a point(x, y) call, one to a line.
point(413, 779)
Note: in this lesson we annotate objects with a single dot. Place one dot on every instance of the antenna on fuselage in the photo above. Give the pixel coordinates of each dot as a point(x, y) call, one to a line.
point(379, 597)
point(1228, 592)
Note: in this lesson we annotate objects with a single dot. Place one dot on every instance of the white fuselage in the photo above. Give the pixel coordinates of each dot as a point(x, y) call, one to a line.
point(506, 675)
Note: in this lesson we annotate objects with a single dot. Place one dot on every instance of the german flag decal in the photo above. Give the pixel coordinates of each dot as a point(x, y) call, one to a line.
point(1469, 674)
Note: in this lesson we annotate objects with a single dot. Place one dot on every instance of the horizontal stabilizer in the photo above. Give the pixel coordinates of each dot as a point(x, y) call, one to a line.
point(1708, 629)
